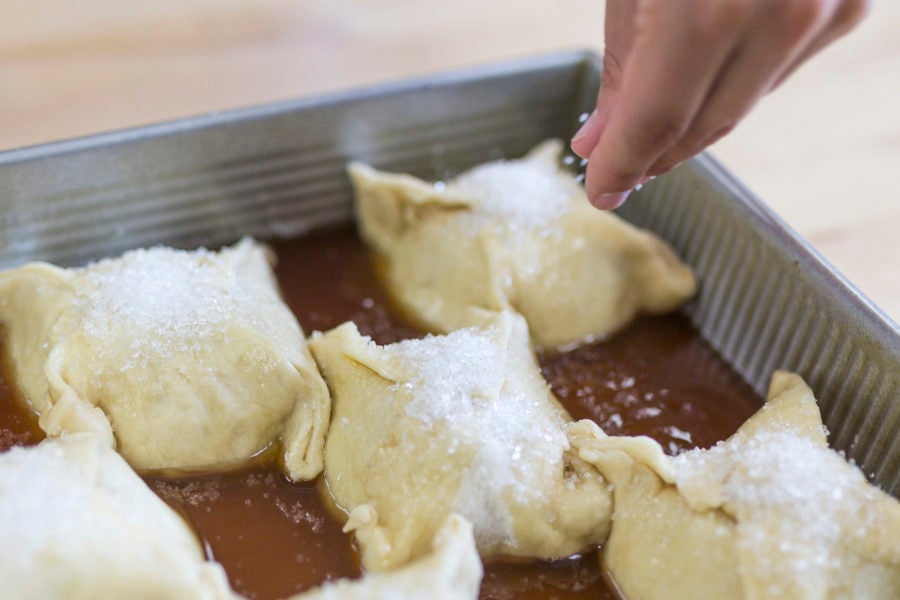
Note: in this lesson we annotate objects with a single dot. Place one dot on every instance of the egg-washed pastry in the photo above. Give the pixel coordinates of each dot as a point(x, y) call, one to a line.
point(462, 423)
point(185, 360)
point(514, 235)
point(771, 512)
point(77, 522)
point(451, 571)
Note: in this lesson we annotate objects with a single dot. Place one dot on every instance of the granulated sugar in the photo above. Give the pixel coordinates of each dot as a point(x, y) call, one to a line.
point(194, 493)
point(480, 394)
point(526, 192)
point(797, 503)
point(72, 506)
point(162, 300)
point(159, 289)
point(38, 485)
point(298, 514)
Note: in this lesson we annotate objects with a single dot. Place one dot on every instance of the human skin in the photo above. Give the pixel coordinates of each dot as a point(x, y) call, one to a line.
point(680, 74)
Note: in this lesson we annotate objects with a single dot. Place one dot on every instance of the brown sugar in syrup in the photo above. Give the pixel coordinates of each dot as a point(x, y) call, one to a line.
point(274, 538)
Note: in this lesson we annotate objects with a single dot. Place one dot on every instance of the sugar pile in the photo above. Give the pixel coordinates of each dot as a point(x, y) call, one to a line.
point(162, 300)
point(798, 503)
point(479, 395)
point(528, 192)
point(70, 504)
point(40, 485)
point(160, 290)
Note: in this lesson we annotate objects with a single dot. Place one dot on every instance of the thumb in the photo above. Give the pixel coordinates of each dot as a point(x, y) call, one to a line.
point(620, 32)
point(587, 137)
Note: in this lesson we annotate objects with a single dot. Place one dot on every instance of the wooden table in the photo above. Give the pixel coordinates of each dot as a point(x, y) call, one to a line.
point(824, 150)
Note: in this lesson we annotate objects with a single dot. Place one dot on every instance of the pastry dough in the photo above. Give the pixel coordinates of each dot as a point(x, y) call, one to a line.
point(771, 512)
point(76, 522)
point(452, 571)
point(190, 359)
point(514, 235)
point(458, 423)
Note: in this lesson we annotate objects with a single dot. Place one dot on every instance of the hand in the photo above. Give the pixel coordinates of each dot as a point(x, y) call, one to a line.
point(679, 74)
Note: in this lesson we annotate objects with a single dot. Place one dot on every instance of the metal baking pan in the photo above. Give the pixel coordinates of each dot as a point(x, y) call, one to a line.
point(767, 300)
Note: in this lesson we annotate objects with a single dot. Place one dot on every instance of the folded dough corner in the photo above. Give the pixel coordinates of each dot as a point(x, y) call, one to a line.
point(514, 235)
point(771, 512)
point(451, 570)
point(183, 360)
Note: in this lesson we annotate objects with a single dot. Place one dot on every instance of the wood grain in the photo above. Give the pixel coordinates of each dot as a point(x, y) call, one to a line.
point(824, 150)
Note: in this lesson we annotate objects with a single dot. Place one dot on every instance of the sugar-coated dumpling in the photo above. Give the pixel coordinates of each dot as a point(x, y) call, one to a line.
point(459, 423)
point(514, 235)
point(190, 360)
point(451, 571)
point(772, 512)
point(77, 522)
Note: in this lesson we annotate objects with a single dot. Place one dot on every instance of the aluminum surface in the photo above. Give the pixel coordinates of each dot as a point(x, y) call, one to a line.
point(767, 300)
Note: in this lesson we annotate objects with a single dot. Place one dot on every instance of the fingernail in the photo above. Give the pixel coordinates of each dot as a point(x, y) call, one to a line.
point(585, 127)
point(610, 201)
point(588, 135)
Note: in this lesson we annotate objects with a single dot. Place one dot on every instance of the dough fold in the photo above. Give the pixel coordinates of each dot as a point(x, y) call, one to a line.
point(514, 235)
point(459, 423)
point(76, 523)
point(183, 360)
point(771, 512)
point(451, 571)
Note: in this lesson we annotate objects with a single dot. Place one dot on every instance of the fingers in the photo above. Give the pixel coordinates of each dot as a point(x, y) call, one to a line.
point(586, 138)
point(847, 16)
point(768, 49)
point(672, 64)
point(620, 29)
point(692, 70)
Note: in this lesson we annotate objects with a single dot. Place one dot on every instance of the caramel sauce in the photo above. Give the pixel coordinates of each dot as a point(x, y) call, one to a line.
point(329, 278)
point(657, 378)
point(578, 577)
point(275, 538)
point(18, 425)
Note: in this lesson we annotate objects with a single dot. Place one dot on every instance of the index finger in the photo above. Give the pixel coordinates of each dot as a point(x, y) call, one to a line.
point(673, 64)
